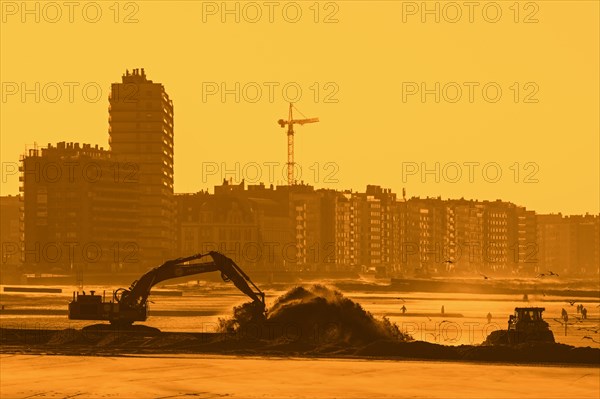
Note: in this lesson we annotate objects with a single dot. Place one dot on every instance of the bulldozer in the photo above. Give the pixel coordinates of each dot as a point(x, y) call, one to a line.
point(524, 326)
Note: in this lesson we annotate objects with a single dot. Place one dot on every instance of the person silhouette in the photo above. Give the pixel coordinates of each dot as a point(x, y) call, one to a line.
point(489, 317)
point(403, 309)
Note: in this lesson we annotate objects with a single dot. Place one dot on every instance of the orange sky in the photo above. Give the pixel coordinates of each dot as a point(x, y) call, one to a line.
point(374, 131)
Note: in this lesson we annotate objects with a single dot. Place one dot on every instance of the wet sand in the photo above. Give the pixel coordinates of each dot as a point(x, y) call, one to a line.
point(218, 376)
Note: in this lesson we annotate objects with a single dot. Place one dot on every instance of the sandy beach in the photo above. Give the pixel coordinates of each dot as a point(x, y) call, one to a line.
point(25, 376)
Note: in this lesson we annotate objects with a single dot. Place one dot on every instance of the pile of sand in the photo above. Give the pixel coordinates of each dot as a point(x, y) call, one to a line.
point(315, 314)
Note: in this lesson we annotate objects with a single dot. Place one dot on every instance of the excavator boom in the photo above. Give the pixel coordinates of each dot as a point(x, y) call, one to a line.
point(129, 305)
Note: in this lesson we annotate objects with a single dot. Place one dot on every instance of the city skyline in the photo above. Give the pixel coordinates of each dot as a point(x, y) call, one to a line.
point(127, 206)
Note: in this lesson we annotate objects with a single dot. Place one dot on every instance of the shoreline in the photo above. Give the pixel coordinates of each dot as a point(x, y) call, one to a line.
point(216, 355)
point(148, 343)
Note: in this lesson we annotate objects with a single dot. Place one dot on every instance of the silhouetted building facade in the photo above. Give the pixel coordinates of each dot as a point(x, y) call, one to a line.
point(250, 226)
point(369, 229)
point(569, 244)
point(585, 234)
point(423, 245)
point(10, 231)
point(554, 245)
point(290, 228)
point(348, 231)
point(525, 250)
point(78, 213)
point(464, 236)
point(141, 135)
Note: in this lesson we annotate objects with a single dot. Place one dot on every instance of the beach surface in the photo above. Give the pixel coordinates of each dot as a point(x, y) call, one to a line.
point(25, 376)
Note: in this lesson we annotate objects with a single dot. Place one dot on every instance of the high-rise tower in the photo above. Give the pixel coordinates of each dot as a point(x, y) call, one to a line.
point(141, 140)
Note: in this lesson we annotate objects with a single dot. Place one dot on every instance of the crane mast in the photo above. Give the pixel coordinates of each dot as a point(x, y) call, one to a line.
point(290, 142)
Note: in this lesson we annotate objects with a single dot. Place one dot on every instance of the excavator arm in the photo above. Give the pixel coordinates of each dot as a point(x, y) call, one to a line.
point(139, 291)
point(129, 305)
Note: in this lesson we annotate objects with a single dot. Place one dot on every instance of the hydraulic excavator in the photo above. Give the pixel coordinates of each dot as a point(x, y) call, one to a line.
point(129, 305)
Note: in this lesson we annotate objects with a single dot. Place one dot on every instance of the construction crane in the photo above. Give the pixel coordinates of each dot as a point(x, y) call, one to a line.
point(290, 134)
